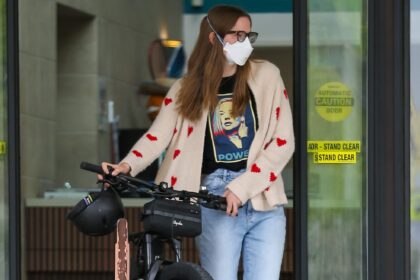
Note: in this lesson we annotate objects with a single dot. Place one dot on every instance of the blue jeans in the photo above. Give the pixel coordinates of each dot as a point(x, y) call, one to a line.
point(258, 235)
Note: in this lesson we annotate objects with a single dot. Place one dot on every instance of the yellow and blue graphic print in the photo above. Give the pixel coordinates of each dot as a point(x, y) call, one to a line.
point(231, 137)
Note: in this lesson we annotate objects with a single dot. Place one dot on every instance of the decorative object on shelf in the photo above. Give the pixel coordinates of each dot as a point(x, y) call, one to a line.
point(166, 60)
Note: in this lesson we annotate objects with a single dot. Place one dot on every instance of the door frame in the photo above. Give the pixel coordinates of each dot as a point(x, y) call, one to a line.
point(13, 140)
point(300, 168)
point(389, 139)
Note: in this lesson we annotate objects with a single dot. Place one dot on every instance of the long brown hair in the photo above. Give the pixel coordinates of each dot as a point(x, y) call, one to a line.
point(205, 68)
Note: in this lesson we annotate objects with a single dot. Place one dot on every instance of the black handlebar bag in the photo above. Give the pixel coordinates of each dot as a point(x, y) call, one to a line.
point(172, 218)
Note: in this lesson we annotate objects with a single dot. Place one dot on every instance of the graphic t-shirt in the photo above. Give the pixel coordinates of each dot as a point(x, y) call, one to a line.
point(228, 139)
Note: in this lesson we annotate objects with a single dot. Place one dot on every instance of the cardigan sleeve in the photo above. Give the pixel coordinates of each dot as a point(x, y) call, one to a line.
point(159, 135)
point(274, 155)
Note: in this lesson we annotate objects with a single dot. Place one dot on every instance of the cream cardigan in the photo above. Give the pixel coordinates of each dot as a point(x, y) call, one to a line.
point(271, 149)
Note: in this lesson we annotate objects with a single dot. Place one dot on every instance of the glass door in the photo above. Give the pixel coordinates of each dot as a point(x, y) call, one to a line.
point(336, 146)
point(4, 229)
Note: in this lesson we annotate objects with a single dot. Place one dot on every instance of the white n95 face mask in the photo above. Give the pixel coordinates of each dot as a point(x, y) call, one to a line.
point(238, 52)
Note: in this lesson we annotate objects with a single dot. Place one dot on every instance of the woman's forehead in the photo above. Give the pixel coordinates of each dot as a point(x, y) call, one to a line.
point(242, 24)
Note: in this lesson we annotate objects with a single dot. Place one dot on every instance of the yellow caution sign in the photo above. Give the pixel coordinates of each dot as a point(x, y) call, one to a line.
point(2, 147)
point(334, 101)
point(325, 152)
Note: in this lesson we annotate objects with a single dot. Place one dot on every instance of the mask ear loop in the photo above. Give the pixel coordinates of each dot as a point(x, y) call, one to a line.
point(219, 38)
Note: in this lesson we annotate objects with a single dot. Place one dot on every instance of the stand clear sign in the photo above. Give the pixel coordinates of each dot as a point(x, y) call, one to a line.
point(325, 152)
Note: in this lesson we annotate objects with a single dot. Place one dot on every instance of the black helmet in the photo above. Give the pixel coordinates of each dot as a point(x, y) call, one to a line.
point(98, 213)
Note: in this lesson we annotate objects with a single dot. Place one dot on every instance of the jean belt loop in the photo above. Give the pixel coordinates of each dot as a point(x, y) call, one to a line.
point(225, 175)
point(250, 209)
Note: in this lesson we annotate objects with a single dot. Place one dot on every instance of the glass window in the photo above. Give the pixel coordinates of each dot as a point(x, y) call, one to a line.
point(337, 139)
point(415, 139)
point(3, 155)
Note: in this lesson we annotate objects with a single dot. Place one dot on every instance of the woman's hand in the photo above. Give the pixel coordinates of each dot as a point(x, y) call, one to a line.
point(243, 130)
point(233, 203)
point(123, 167)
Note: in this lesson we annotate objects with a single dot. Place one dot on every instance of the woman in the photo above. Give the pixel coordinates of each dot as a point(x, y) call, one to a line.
point(247, 173)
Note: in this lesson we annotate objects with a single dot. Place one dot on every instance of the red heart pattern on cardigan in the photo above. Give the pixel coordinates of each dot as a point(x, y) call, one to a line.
point(176, 153)
point(175, 130)
point(137, 153)
point(167, 101)
point(277, 113)
point(151, 137)
point(286, 94)
point(267, 188)
point(273, 177)
point(281, 142)
point(255, 168)
point(190, 130)
point(173, 180)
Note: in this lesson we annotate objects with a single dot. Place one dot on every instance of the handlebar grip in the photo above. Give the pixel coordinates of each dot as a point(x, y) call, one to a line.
point(91, 167)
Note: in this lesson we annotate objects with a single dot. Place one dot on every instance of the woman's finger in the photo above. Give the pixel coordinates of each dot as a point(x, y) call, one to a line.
point(228, 207)
point(232, 199)
point(105, 167)
point(115, 171)
point(235, 210)
point(228, 202)
point(100, 178)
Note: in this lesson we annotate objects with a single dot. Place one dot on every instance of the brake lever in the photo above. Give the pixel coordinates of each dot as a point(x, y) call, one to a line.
point(109, 181)
point(113, 182)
